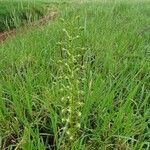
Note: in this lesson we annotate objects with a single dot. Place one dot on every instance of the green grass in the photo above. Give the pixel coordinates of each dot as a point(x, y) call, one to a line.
point(113, 74)
point(14, 13)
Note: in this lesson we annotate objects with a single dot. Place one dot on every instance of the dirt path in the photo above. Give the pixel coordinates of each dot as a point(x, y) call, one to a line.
point(42, 21)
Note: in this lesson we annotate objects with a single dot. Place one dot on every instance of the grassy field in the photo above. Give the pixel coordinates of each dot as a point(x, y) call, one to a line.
point(82, 82)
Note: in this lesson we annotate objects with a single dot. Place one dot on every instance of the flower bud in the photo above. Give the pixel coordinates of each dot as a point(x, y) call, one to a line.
point(71, 138)
point(79, 114)
point(63, 120)
point(69, 110)
point(64, 110)
point(68, 120)
point(80, 103)
point(62, 99)
point(68, 132)
point(78, 125)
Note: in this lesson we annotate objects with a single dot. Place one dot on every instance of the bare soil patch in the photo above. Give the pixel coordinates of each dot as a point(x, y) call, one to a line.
point(42, 21)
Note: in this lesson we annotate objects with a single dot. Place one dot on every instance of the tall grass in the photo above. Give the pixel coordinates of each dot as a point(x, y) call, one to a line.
point(115, 114)
point(13, 14)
